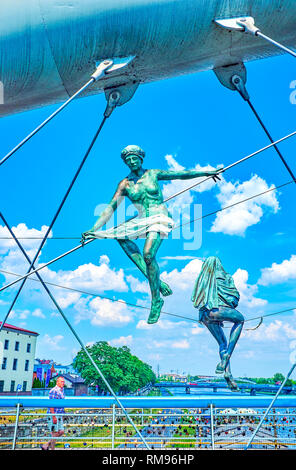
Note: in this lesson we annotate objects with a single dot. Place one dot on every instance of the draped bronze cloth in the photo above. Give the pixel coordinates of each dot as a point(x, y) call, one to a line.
point(138, 228)
point(214, 288)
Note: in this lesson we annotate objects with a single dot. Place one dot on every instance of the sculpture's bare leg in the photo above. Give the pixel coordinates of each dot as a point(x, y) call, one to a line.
point(152, 244)
point(233, 316)
point(216, 330)
point(224, 349)
point(133, 252)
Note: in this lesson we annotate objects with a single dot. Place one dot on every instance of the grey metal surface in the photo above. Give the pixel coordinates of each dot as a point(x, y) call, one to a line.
point(49, 48)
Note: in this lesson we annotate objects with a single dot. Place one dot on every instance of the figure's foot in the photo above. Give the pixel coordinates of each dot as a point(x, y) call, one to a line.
point(223, 364)
point(156, 307)
point(231, 382)
point(165, 289)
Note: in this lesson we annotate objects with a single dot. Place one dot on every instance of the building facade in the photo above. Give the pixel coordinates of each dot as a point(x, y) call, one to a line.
point(60, 369)
point(76, 383)
point(17, 353)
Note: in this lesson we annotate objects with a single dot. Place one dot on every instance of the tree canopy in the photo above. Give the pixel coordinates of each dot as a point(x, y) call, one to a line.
point(124, 372)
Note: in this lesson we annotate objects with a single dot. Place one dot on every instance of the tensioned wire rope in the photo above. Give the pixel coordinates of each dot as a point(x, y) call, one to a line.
point(168, 313)
point(75, 334)
point(45, 237)
point(168, 199)
point(62, 313)
point(273, 144)
point(130, 304)
point(30, 271)
point(99, 72)
point(61, 205)
point(31, 266)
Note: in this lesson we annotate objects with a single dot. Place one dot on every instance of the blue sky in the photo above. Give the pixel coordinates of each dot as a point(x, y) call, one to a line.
point(189, 122)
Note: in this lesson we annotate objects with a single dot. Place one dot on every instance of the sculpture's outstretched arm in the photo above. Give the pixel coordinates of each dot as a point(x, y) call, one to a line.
point(185, 174)
point(107, 213)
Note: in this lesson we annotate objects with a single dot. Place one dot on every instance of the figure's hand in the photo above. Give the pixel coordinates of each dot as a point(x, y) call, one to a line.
point(86, 236)
point(214, 175)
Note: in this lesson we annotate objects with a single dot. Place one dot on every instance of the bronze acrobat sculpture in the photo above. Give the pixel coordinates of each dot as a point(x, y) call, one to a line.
point(216, 297)
point(153, 223)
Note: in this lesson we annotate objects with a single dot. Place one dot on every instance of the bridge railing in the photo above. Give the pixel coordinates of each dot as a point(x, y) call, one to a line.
point(164, 421)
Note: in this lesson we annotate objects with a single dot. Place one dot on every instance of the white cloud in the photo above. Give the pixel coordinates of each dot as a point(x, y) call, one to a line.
point(275, 332)
point(96, 278)
point(197, 330)
point(53, 342)
point(38, 313)
point(236, 220)
point(232, 221)
point(88, 277)
point(248, 300)
point(160, 325)
point(185, 278)
point(279, 273)
point(29, 238)
point(175, 186)
point(103, 312)
point(24, 315)
point(138, 286)
point(122, 341)
point(181, 344)
point(12, 259)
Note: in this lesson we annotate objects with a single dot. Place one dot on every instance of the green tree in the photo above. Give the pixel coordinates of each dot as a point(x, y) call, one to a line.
point(36, 383)
point(124, 372)
point(278, 377)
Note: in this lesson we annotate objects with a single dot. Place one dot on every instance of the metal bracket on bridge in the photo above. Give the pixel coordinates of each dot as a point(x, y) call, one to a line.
point(119, 95)
point(246, 24)
point(115, 95)
point(243, 24)
point(108, 66)
point(234, 77)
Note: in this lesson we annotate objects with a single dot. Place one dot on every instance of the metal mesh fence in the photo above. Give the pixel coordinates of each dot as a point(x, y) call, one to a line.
point(199, 428)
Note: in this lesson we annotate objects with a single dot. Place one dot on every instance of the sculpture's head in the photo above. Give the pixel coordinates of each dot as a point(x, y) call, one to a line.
point(133, 157)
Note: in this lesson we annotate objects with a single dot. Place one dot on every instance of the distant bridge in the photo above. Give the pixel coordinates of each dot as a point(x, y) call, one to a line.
point(252, 388)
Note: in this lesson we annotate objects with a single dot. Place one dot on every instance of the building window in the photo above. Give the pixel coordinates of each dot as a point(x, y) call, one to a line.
point(24, 386)
point(4, 363)
point(14, 367)
point(28, 347)
point(6, 344)
point(17, 346)
point(12, 385)
point(1, 385)
point(26, 365)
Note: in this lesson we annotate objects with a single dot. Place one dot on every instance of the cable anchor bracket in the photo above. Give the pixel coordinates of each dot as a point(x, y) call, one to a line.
point(119, 95)
point(234, 77)
point(246, 24)
point(115, 95)
point(240, 86)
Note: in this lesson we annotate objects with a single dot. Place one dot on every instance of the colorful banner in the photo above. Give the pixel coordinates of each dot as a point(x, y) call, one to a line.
point(39, 373)
point(48, 377)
